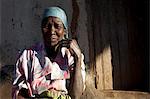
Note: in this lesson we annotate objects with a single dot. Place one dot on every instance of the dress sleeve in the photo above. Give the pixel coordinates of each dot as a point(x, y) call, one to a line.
point(21, 73)
point(71, 62)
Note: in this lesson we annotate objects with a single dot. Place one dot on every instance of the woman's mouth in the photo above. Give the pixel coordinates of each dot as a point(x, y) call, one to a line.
point(54, 38)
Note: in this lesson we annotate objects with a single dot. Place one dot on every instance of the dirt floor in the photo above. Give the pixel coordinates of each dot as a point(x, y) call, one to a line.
point(114, 94)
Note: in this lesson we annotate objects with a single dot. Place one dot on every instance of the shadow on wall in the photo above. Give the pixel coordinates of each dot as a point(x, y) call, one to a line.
point(122, 25)
point(7, 74)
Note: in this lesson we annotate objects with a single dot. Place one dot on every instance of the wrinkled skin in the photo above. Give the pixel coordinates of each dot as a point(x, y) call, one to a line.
point(53, 31)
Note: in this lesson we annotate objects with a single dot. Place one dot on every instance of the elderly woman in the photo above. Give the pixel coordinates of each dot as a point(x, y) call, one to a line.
point(56, 70)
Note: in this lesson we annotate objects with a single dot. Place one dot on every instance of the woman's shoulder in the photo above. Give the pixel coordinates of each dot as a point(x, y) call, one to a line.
point(37, 48)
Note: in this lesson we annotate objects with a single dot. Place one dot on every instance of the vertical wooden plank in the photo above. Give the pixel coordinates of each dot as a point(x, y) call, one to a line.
point(107, 68)
point(99, 73)
point(102, 46)
point(106, 54)
point(114, 47)
point(98, 52)
point(90, 29)
point(123, 44)
point(98, 45)
point(119, 42)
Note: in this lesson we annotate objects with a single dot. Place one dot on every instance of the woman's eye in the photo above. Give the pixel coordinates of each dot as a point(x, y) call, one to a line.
point(58, 26)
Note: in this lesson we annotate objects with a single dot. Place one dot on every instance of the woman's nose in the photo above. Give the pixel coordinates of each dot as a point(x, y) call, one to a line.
point(53, 30)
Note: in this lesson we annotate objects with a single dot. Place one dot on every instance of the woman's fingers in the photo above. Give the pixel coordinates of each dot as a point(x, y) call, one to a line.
point(72, 45)
point(75, 47)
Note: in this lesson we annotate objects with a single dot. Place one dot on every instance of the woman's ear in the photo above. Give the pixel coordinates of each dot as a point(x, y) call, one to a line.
point(65, 33)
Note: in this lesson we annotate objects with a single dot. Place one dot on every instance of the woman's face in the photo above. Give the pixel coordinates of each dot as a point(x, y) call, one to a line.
point(53, 31)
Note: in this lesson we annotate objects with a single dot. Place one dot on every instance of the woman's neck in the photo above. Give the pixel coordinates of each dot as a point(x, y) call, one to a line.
point(51, 51)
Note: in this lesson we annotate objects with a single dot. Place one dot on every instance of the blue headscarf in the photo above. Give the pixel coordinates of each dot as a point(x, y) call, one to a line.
point(59, 13)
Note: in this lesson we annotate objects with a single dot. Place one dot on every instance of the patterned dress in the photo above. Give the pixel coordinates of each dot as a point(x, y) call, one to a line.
point(42, 76)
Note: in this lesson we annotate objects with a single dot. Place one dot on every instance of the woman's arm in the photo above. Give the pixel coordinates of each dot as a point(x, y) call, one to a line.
point(78, 81)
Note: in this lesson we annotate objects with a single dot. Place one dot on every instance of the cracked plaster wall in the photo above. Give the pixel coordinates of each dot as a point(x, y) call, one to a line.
point(20, 25)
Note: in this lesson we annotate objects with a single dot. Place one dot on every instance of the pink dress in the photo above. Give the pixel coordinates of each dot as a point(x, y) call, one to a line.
point(32, 67)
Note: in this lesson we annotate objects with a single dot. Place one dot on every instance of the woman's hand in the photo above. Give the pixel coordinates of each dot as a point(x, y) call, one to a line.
point(72, 45)
point(75, 47)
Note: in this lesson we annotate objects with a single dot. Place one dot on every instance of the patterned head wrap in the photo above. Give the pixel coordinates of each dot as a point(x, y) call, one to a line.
point(59, 13)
